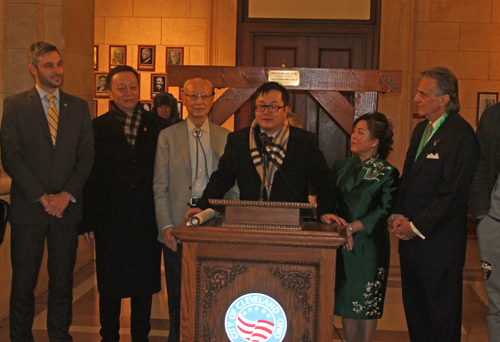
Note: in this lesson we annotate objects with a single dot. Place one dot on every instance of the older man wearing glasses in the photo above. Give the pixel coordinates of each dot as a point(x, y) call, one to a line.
point(186, 156)
point(272, 153)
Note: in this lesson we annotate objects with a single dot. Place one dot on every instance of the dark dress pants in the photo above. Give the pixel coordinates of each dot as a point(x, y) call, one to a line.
point(173, 264)
point(140, 318)
point(27, 245)
point(432, 299)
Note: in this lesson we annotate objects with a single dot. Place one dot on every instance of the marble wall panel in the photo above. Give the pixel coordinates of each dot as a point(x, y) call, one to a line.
point(78, 31)
point(468, 90)
point(183, 31)
point(420, 62)
point(480, 36)
point(17, 76)
point(495, 9)
point(98, 30)
point(114, 8)
point(197, 55)
point(22, 24)
point(494, 66)
point(124, 31)
point(200, 8)
point(422, 10)
point(84, 6)
point(78, 74)
point(226, 33)
point(54, 32)
point(163, 9)
point(426, 37)
point(460, 10)
point(465, 64)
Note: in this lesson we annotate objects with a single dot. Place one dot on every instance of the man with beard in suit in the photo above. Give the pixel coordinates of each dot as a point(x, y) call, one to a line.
point(47, 150)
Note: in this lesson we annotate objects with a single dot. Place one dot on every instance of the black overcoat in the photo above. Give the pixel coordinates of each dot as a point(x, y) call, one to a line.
point(119, 207)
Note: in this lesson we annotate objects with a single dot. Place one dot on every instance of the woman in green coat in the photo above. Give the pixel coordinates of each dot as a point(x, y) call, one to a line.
point(365, 186)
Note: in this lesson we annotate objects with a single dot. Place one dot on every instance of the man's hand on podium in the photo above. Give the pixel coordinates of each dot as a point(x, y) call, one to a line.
point(191, 212)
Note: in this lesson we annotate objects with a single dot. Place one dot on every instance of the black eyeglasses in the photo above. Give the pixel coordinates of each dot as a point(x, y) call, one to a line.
point(194, 97)
point(270, 108)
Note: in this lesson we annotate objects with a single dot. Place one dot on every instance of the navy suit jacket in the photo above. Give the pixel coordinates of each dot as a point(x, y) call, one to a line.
point(35, 165)
point(303, 162)
point(434, 191)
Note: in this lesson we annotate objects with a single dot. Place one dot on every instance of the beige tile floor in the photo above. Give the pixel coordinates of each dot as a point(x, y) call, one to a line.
point(391, 328)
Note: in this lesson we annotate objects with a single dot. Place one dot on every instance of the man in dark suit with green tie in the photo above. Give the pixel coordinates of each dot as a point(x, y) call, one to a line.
point(430, 215)
point(47, 150)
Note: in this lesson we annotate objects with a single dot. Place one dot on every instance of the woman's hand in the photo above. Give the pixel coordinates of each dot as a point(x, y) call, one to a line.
point(330, 218)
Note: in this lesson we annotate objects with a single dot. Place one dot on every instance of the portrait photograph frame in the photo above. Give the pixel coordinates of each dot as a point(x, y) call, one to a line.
point(154, 90)
point(102, 94)
point(114, 62)
point(485, 100)
point(146, 65)
point(147, 102)
point(180, 58)
point(96, 57)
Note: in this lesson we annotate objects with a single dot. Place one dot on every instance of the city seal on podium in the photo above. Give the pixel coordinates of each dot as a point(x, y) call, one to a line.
point(255, 317)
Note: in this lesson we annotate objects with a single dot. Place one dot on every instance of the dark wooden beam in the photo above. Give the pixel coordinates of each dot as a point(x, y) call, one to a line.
point(364, 103)
point(228, 103)
point(336, 106)
point(310, 78)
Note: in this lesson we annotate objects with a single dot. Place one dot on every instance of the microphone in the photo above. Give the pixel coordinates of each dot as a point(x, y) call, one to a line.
point(265, 143)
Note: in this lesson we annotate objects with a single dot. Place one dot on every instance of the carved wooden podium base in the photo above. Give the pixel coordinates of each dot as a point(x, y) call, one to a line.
point(295, 267)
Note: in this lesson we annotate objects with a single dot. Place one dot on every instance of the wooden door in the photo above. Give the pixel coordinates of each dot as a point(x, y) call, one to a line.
point(346, 44)
point(313, 52)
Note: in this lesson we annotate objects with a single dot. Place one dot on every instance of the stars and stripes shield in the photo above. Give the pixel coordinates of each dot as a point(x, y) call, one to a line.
point(255, 317)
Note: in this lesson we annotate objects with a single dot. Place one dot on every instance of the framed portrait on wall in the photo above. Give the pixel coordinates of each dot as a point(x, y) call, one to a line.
point(485, 100)
point(96, 57)
point(158, 84)
point(100, 88)
point(117, 55)
point(175, 56)
point(147, 105)
point(146, 58)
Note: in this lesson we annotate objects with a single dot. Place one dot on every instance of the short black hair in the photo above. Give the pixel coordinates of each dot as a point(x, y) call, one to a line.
point(267, 87)
point(39, 48)
point(380, 128)
point(118, 69)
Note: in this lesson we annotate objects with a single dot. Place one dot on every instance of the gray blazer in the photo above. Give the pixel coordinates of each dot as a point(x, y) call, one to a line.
point(35, 165)
point(173, 176)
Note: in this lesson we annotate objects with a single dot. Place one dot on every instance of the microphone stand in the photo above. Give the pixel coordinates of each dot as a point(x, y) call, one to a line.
point(264, 175)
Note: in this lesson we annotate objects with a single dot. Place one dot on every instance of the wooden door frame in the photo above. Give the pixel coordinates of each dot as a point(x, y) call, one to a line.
point(249, 27)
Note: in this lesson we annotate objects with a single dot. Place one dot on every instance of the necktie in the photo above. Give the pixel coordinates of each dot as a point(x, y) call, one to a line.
point(52, 117)
point(430, 129)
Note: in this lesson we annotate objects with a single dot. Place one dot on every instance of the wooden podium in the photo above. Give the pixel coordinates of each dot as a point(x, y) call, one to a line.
point(222, 263)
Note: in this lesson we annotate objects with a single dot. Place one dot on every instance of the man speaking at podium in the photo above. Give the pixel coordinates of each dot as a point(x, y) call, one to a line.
point(271, 160)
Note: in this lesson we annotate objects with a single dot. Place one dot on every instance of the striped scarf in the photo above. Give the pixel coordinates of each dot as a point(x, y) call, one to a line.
point(130, 122)
point(278, 150)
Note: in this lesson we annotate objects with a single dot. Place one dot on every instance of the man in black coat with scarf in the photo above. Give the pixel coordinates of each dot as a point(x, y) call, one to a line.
point(119, 207)
point(295, 150)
